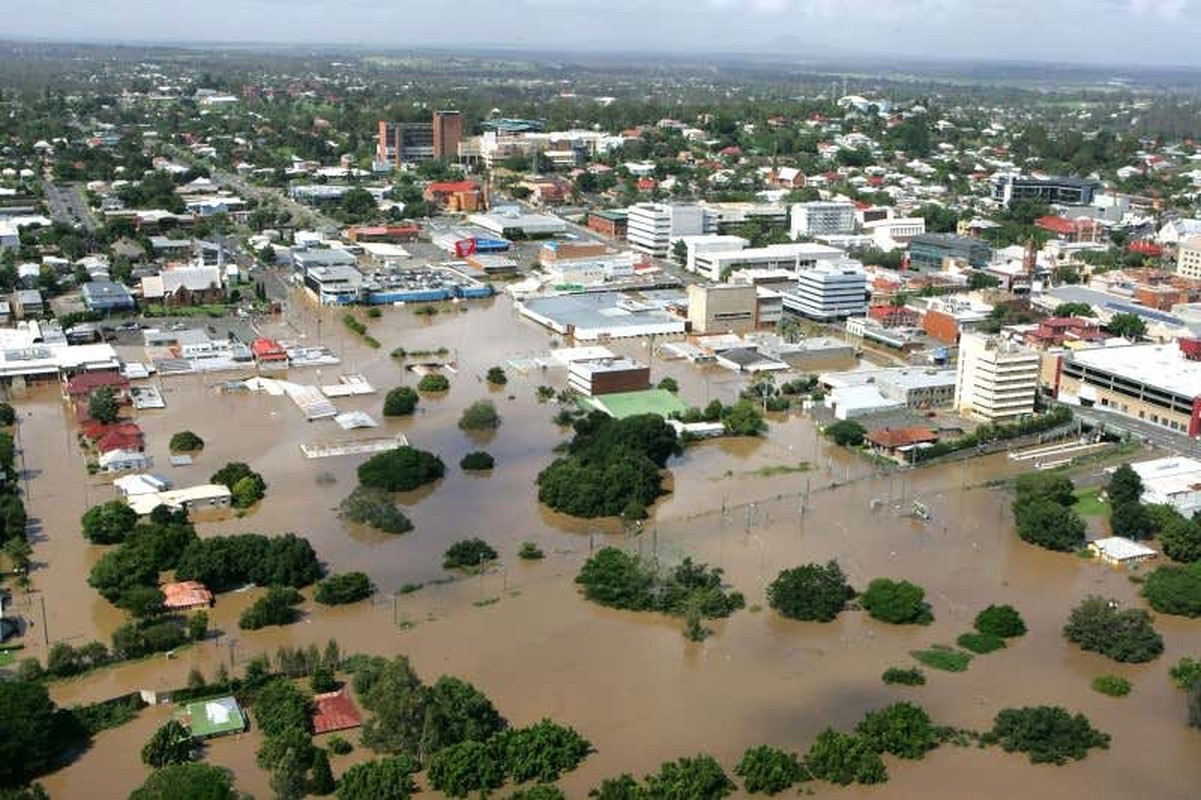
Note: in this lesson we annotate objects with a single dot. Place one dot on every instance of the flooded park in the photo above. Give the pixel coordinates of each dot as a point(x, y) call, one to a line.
point(630, 683)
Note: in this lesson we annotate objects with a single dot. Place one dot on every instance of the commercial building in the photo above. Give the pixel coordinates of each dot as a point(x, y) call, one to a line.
point(404, 142)
point(1058, 189)
point(913, 387)
point(613, 224)
point(448, 132)
point(1188, 258)
point(1156, 383)
point(106, 296)
point(334, 286)
point(1174, 481)
point(193, 498)
point(510, 223)
point(718, 264)
point(700, 246)
point(601, 315)
point(898, 230)
point(997, 379)
point(608, 376)
point(930, 251)
point(652, 227)
point(722, 307)
point(830, 290)
point(817, 218)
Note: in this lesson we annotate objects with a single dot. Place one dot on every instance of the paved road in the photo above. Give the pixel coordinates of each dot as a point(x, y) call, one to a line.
point(68, 205)
point(1140, 429)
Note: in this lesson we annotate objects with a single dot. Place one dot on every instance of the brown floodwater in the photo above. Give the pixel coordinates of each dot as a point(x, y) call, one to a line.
point(629, 682)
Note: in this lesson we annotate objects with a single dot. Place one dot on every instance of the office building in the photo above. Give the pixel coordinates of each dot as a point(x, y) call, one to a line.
point(722, 308)
point(1058, 189)
point(819, 218)
point(608, 376)
point(448, 132)
point(719, 263)
point(930, 250)
point(404, 142)
point(897, 230)
point(611, 223)
point(830, 290)
point(1188, 258)
point(997, 379)
point(653, 227)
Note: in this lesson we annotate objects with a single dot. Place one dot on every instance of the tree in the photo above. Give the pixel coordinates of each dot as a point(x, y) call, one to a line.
point(172, 743)
point(613, 578)
point(477, 461)
point(623, 787)
point(376, 508)
point(198, 626)
point(348, 587)
point(108, 523)
point(1002, 621)
point(358, 204)
point(902, 729)
point(382, 779)
point(480, 416)
point(843, 759)
point(847, 433)
point(322, 680)
point(397, 699)
point(273, 608)
point(29, 733)
point(1050, 525)
point(186, 782)
point(1130, 520)
point(321, 781)
point(697, 778)
point(1073, 310)
point(186, 442)
point(280, 706)
point(1058, 489)
point(102, 406)
point(530, 551)
point(810, 592)
point(287, 777)
point(457, 712)
point(468, 554)
point(982, 280)
point(1128, 326)
point(1097, 625)
point(1180, 538)
point(466, 768)
point(1186, 673)
point(896, 602)
point(401, 470)
point(679, 252)
point(496, 376)
point(433, 383)
point(770, 770)
point(743, 419)
point(400, 402)
point(8, 415)
point(246, 485)
point(542, 751)
point(669, 384)
point(1047, 734)
point(1175, 590)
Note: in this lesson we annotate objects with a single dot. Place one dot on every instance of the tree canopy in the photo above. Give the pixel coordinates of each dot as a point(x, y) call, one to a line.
point(172, 743)
point(29, 732)
point(1098, 625)
point(1043, 511)
point(102, 406)
point(1047, 734)
point(616, 579)
point(810, 592)
point(844, 758)
point(228, 562)
point(1002, 621)
point(108, 523)
point(468, 554)
point(1175, 590)
point(375, 508)
point(346, 587)
point(847, 433)
point(480, 416)
point(400, 402)
point(896, 602)
point(187, 782)
point(401, 470)
point(770, 770)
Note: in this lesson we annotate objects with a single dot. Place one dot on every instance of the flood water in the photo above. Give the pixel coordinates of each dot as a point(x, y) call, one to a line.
point(630, 683)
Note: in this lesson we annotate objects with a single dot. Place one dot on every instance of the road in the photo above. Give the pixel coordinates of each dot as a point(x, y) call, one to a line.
point(1154, 434)
point(68, 205)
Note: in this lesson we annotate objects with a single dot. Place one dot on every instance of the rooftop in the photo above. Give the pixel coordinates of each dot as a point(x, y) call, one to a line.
point(334, 711)
point(1162, 366)
point(208, 718)
point(629, 404)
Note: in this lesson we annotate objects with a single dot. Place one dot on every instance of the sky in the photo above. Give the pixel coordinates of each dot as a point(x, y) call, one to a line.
point(1120, 32)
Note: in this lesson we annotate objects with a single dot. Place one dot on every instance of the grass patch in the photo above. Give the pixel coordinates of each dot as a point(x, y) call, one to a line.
point(1089, 503)
point(6, 658)
point(941, 656)
point(490, 601)
point(781, 469)
point(1111, 685)
point(980, 643)
point(904, 677)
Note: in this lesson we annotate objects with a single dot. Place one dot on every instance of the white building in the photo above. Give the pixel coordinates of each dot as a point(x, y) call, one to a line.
point(1120, 551)
point(716, 265)
point(10, 237)
point(1173, 481)
point(652, 227)
point(891, 232)
point(710, 243)
point(829, 290)
point(819, 218)
point(997, 379)
point(509, 221)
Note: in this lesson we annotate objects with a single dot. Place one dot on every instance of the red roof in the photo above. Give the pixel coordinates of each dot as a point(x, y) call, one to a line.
point(901, 437)
point(186, 594)
point(266, 349)
point(89, 382)
point(119, 440)
point(334, 711)
point(1145, 247)
point(451, 187)
point(1056, 224)
point(646, 184)
point(95, 430)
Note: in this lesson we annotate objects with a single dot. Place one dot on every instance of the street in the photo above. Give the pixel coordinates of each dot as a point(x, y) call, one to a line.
point(68, 205)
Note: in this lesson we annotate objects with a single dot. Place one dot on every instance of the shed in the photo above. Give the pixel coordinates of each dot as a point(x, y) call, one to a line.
point(334, 711)
point(211, 718)
point(1120, 551)
point(184, 595)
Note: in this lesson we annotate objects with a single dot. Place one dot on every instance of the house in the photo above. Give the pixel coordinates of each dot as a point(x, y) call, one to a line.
point(122, 460)
point(80, 387)
point(125, 437)
point(898, 443)
point(186, 595)
point(28, 304)
point(334, 711)
point(143, 483)
point(268, 351)
point(207, 719)
point(1120, 551)
point(106, 296)
point(193, 498)
point(185, 286)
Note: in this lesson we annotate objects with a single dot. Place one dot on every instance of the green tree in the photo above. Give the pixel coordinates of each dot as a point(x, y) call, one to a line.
point(400, 402)
point(810, 592)
point(1128, 326)
point(1047, 734)
point(623, 787)
point(697, 778)
point(108, 523)
point(400, 470)
point(321, 780)
point(376, 508)
point(1073, 310)
point(1186, 673)
point(542, 751)
point(381, 779)
point(186, 782)
point(433, 383)
point(770, 770)
point(496, 376)
point(1097, 625)
point(896, 602)
point(466, 768)
point(358, 204)
point(743, 419)
point(397, 699)
point(1045, 486)
point(1050, 525)
point(844, 759)
point(477, 461)
point(29, 732)
point(172, 743)
point(468, 554)
point(1175, 590)
point(102, 406)
point(287, 777)
point(902, 729)
point(1002, 621)
point(8, 415)
point(679, 252)
point(480, 416)
point(273, 608)
point(1179, 537)
point(457, 712)
point(186, 442)
point(347, 587)
point(280, 706)
point(669, 384)
point(847, 433)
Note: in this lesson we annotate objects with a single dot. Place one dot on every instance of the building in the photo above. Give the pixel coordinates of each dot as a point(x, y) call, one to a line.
point(722, 307)
point(1174, 481)
point(1060, 190)
point(611, 223)
point(405, 142)
point(193, 498)
point(896, 230)
point(106, 296)
point(208, 719)
point(817, 218)
point(718, 264)
point(607, 376)
point(1188, 258)
point(1120, 551)
point(898, 443)
point(185, 286)
point(914, 387)
point(448, 133)
point(28, 304)
point(567, 250)
point(997, 379)
point(930, 251)
point(334, 711)
point(948, 318)
point(511, 223)
point(598, 316)
point(186, 595)
point(10, 236)
point(464, 196)
point(334, 286)
point(122, 461)
point(621, 405)
point(1078, 230)
point(830, 290)
point(701, 246)
point(1156, 383)
point(653, 227)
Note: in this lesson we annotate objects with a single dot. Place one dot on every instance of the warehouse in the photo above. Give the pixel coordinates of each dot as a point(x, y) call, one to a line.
point(601, 316)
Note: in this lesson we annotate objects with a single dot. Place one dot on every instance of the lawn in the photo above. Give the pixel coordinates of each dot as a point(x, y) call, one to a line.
point(1090, 504)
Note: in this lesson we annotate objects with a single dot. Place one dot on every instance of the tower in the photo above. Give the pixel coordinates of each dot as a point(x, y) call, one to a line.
point(448, 132)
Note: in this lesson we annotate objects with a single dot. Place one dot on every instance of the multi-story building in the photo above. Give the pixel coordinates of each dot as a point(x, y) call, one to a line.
point(829, 290)
point(997, 379)
point(1156, 383)
point(719, 263)
point(1062, 190)
point(652, 227)
point(611, 223)
point(448, 132)
point(819, 218)
point(722, 307)
point(608, 376)
point(897, 229)
point(1188, 258)
point(929, 250)
point(404, 142)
